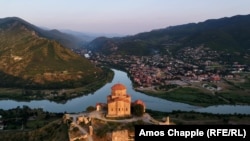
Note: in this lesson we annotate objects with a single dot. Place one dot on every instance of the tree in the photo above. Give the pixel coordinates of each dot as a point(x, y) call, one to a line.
point(138, 110)
point(90, 109)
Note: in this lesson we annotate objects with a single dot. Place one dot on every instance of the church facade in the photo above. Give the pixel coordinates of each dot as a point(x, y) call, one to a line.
point(118, 102)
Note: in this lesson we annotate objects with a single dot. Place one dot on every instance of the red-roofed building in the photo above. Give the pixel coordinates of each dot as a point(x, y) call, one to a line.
point(215, 78)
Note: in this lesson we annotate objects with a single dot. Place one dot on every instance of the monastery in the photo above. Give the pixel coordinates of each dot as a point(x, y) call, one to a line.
point(119, 102)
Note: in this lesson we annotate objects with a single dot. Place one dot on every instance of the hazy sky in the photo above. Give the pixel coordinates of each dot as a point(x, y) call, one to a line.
point(124, 17)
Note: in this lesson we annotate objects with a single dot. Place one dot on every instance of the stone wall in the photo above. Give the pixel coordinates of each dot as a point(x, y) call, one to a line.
point(120, 135)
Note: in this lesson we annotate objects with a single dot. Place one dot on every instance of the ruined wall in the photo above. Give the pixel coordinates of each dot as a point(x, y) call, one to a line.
point(120, 135)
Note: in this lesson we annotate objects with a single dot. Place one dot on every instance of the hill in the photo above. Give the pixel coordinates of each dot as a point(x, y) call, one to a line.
point(66, 39)
point(30, 58)
point(228, 34)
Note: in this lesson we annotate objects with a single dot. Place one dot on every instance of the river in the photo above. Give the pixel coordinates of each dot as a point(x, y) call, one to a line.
point(81, 103)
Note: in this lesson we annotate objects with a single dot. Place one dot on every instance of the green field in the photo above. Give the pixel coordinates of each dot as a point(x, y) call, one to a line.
point(198, 97)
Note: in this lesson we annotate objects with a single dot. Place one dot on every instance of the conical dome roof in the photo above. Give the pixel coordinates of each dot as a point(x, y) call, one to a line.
point(118, 86)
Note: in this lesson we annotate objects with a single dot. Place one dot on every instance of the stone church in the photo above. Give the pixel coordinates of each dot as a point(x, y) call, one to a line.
point(118, 102)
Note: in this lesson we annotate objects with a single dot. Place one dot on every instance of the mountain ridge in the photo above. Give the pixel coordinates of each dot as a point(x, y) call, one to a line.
point(226, 34)
point(28, 58)
point(65, 39)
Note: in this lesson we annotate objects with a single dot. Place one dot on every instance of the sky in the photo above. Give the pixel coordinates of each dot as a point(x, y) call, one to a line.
point(123, 17)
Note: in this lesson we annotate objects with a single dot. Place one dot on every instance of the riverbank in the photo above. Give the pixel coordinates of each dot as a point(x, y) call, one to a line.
point(188, 95)
point(57, 95)
point(223, 92)
point(201, 94)
point(99, 96)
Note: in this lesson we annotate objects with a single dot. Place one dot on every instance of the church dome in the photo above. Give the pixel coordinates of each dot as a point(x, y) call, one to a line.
point(118, 86)
point(139, 102)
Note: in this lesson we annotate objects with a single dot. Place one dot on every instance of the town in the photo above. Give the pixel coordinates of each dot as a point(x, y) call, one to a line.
point(163, 72)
